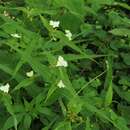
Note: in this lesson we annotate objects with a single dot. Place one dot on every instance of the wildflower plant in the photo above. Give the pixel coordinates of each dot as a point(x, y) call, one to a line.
point(64, 65)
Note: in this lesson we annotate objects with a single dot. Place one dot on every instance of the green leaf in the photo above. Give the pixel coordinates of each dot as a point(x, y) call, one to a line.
point(75, 105)
point(109, 95)
point(46, 24)
point(88, 125)
point(27, 121)
point(120, 32)
point(125, 112)
point(10, 121)
point(108, 83)
point(122, 94)
point(46, 111)
point(26, 55)
point(73, 57)
point(64, 126)
point(63, 108)
point(51, 90)
point(70, 21)
point(76, 7)
point(24, 83)
point(97, 4)
point(40, 68)
point(126, 58)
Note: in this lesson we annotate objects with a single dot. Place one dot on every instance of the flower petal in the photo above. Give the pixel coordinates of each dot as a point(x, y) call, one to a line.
point(30, 74)
point(15, 35)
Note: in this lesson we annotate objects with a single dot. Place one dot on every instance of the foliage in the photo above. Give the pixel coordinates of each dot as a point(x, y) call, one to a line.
point(88, 88)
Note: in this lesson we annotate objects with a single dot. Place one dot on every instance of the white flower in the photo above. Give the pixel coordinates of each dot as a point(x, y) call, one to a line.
point(5, 88)
point(6, 13)
point(61, 84)
point(61, 62)
point(54, 24)
point(15, 35)
point(68, 34)
point(30, 74)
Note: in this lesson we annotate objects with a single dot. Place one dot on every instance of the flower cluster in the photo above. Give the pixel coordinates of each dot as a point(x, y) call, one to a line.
point(61, 62)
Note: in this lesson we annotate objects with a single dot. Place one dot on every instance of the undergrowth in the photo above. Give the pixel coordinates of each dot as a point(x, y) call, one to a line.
point(64, 65)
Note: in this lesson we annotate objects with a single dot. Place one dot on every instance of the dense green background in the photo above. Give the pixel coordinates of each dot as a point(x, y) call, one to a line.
point(97, 79)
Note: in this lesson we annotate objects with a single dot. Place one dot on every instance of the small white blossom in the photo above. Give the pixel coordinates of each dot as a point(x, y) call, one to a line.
point(13, 17)
point(30, 74)
point(6, 13)
point(68, 34)
point(16, 35)
point(54, 24)
point(61, 84)
point(5, 88)
point(61, 62)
